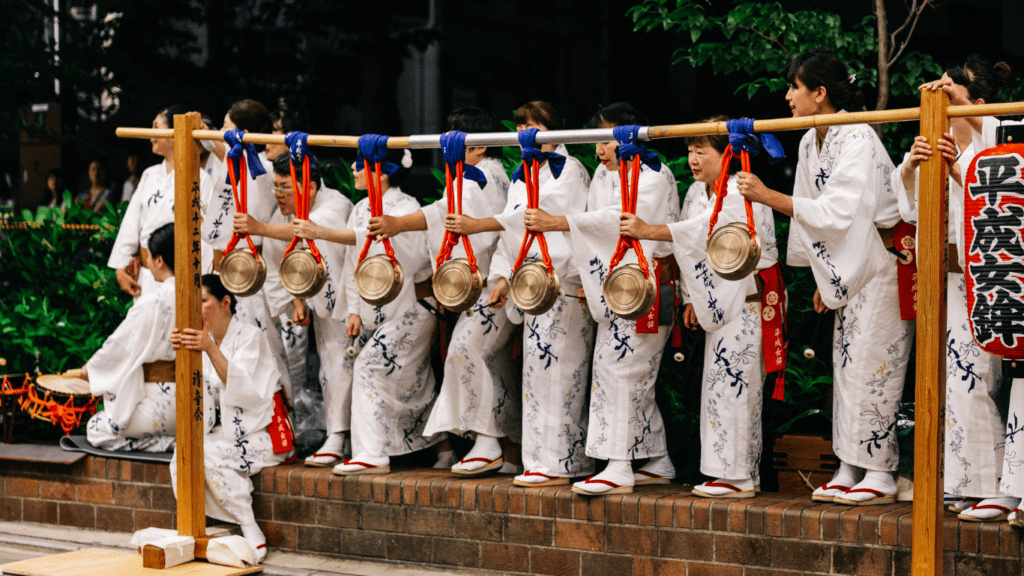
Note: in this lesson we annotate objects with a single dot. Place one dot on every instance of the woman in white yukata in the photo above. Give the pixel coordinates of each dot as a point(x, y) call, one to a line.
point(137, 415)
point(479, 393)
point(152, 206)
point(240, 380)
point(625, 423)
point(841, 198)
point(730, 313)
point(975, 416)
point(331, 208)
point(393, 382)
point(557, 345)
point(248, 116)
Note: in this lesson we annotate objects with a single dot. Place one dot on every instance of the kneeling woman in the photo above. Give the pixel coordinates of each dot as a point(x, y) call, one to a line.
point(730, 312)
point(243, 420)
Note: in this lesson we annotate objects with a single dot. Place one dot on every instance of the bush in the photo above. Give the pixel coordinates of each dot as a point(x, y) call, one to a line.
point(58, 299)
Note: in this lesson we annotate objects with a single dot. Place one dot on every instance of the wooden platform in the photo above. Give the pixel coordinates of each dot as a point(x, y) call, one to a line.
point(103, 562)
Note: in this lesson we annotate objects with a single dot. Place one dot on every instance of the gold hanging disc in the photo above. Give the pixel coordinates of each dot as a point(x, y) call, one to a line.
point(378, 280)
point(628, 293)
point(533, 289)
point(456, 286)
point(732, 253)
point(301, 274)
point(241, 273)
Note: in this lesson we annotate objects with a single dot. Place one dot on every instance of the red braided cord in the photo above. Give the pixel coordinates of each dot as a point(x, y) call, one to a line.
point(532, 181)
point(241, 193)
point(630, 192)
point(302, 205)
point(722, 188)
point(451, 239)
point(375, 200)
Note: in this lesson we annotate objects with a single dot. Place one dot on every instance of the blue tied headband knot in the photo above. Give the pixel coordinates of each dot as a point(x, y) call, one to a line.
point(453, 148)
point(373, 148)
point(743, 137)
point(298, 149)
point(630, 146)
point(233, 138)
point(528, 141)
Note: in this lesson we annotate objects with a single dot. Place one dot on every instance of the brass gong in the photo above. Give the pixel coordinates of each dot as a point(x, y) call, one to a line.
point(628, 294)
point(379, 280)
point(301, 274)
point(242, 273)
point(533, 289)
point(732, 253)
point(456, 285)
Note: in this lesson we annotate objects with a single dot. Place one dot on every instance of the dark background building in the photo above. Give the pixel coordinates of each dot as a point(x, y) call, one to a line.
point(398, 67)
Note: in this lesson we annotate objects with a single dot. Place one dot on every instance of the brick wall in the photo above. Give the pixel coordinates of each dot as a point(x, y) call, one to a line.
point(429, 517)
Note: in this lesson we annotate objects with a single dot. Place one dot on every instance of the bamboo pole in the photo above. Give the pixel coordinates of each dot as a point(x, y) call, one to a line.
point(189, 363)
point(930, 399)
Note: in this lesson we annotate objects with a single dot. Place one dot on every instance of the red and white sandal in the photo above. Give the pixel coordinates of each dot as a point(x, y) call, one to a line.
point(595, 486)
point(323, 459)
point(718, 489)
point(543, 480)
point(828, 493)
point(990, 510)
point(354, 467)
point(875, 497)
point(489, 466)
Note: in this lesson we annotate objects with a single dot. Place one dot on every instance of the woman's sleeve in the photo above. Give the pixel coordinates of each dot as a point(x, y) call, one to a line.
point(253, 377)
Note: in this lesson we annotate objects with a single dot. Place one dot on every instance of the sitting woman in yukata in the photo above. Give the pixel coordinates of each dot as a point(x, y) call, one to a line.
point(246, 425)
point(137, 415)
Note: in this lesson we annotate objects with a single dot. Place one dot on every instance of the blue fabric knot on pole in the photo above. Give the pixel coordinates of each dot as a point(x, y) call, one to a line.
point(743, 137)
point(528, 141)
point(630, 146)
point(298, 149)
point(233, 138)
point(453, 148)
point(373, 148)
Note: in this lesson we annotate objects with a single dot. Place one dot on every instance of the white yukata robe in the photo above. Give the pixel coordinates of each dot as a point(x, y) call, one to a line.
point(733, 385)
point(151, 207)
point(557, 345)
point(136, 415)
point(625, 423)
point(393, 384)
point(217, 230)
point(479, 392)
point(236, 413)
point(330, 208)
point(974, 420)
point(840, 195)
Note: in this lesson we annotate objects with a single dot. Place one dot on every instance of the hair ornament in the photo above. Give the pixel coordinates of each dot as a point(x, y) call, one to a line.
point(853, 78)
point(407, 159)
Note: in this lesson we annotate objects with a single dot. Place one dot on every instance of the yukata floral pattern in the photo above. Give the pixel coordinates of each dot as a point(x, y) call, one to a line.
point(480, 390)
point(842, 193)
point(625, 423)
point(136, 415)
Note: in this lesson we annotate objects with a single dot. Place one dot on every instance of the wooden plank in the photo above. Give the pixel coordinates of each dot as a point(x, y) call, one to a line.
point(188, 364)
point(929, 424)
point(103, 562)
point(159, 371)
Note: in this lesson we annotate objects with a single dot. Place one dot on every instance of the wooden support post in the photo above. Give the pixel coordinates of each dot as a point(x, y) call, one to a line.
point(189, 364)
point(930, 408)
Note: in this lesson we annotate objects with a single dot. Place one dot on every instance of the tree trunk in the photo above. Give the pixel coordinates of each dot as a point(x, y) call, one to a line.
point(883, 55)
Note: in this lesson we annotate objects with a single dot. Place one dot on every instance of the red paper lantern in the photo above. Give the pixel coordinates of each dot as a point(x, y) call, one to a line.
point(993, 220)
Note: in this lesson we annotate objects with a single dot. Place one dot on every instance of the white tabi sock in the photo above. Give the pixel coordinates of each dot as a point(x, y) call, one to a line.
point(662, 466)
point(333, 450)
point(254, 536)
point(486, 447)
point(618, 471)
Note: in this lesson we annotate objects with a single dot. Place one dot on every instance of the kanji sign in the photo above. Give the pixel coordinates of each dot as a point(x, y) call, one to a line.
point(993, 221)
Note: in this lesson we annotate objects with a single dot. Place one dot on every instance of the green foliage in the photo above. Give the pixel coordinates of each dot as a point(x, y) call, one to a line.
point(58, 298)
point(758, 40)
point(338, 176)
